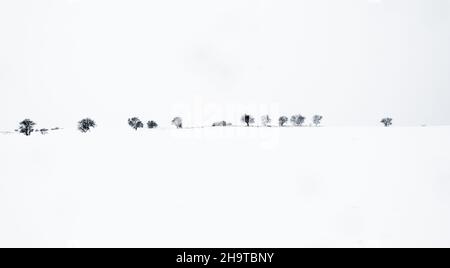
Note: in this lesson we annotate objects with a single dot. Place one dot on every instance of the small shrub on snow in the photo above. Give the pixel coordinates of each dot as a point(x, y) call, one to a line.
point(220, 124)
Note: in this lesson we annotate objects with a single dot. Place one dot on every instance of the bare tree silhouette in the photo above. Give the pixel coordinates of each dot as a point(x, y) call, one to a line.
point(298, 120)
point(26, 127)
point(152, 124)
point(247, 119)
point(282, 121)
point(317, 119)
point(135, 123)
point(178, 122)
point(85, 125)
point(266, 120)
point(387, 122)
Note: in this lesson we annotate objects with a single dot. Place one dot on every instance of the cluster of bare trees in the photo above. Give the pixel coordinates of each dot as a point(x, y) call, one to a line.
point(136, 123)
point(27, 126)
point(296, 120)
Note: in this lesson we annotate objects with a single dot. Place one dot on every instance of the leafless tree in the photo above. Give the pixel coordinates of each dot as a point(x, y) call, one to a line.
point(135, 123)
point(84, 125)
point(26, 127)
point(282, 121)
point(317, 119)
point(178, 122)
point(387, 122)
point(266, 120)
point(152, 124)
point(298, 120)
point(247, 119)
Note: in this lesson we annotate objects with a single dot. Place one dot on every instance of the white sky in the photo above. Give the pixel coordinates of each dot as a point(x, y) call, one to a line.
point(353, 61)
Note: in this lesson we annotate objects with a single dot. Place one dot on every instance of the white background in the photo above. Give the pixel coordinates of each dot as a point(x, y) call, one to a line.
point(354, 61)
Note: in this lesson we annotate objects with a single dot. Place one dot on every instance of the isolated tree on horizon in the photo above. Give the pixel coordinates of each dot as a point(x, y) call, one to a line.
point(247, 119)
point(26, 127)
point(317, 119)
point(298, 120)
point(387, 122)
point(135, 123)
point(266, 120)
point(178, 122)
point(282, 121)
point(152, 124)
point(86, 124)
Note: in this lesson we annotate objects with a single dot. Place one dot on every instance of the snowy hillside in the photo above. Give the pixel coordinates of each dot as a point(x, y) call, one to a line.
point(227, 187)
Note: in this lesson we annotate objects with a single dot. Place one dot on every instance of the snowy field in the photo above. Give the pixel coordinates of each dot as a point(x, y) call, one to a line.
point(227, 187)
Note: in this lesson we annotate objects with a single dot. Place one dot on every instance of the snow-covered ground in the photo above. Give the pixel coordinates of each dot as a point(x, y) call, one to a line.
point(227, 187)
